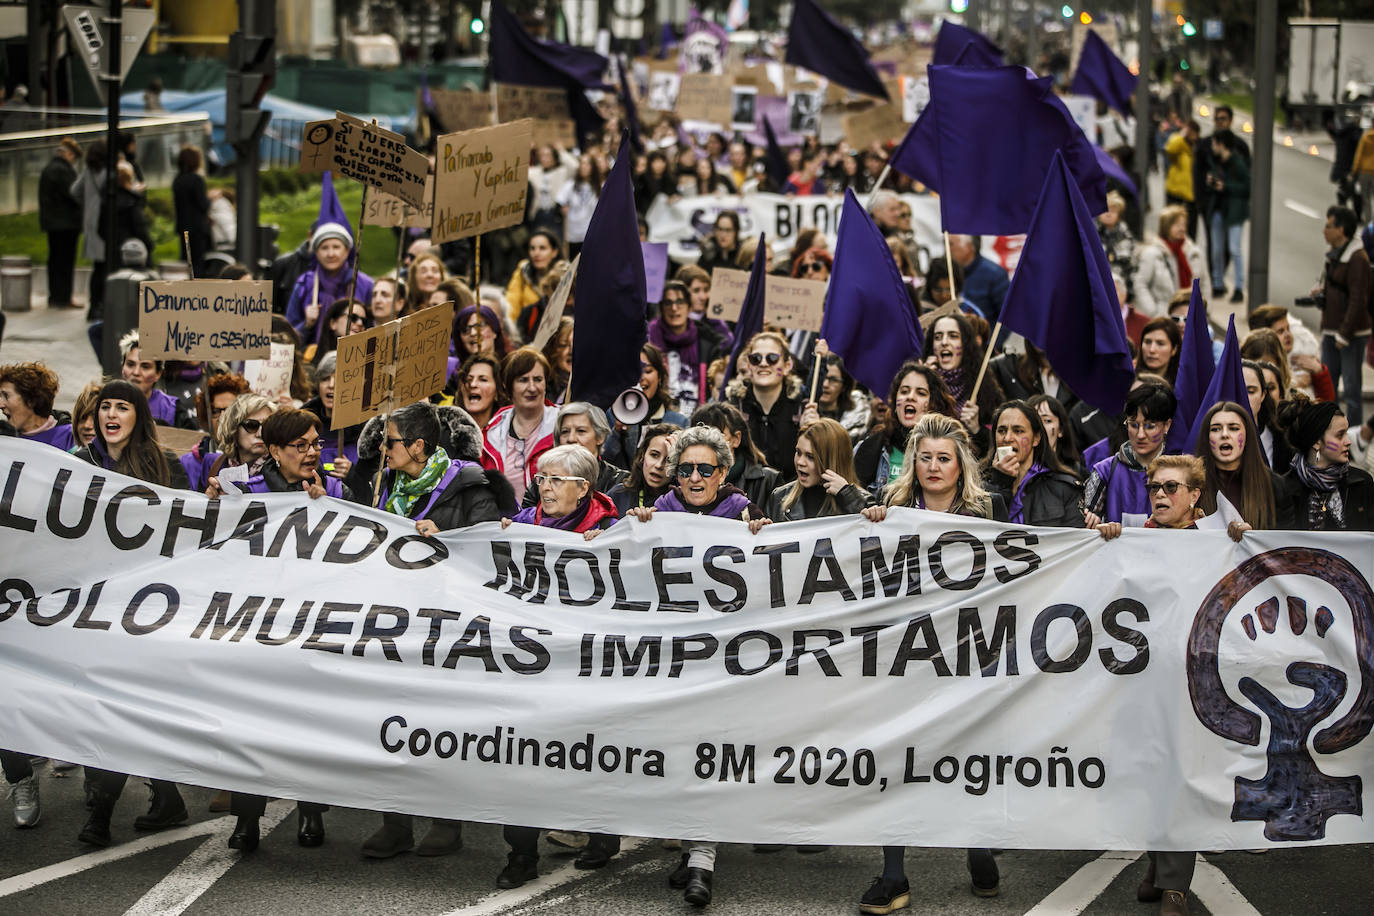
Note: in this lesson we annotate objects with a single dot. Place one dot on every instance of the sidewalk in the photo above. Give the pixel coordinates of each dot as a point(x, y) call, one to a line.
point(57, 338)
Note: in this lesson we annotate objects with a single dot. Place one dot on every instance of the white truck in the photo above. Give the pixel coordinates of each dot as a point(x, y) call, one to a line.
point(1330, 65)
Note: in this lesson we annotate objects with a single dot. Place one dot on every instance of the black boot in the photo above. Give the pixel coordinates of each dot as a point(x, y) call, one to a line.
point(166, 809)
point(395, 836)
point(444, 837)
point(519, 869)
point(698, 892)
point(982, 869)
point(310, 831)
point(97, 829)
point(677, 878)
point(245, 835)
point(600, 849)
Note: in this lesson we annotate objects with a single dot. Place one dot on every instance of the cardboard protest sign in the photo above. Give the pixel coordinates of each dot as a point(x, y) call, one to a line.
point(727, 293)
point(272, 376)
point(804, 112)
point(796, 304)
point(878, 124)
point(178, 441)
point(366, 153)
point(705, 97)
point(205, 319)
point(482, 177)
point(462, 109)
point(317, 147)
point(546, 108)
point(553, 314)
point(392, 365)
point(387, 210)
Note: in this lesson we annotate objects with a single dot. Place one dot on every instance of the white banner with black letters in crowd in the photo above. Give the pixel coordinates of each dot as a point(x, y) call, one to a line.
point(929, 680)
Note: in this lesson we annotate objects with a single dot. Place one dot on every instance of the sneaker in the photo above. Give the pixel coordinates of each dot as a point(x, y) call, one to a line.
point(886, 896)
point(26, 809)
point(982, 869)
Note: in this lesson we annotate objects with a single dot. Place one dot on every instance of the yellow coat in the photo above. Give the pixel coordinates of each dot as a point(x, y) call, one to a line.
point(1178, 180)
point(520, 292)
point(1364, 155)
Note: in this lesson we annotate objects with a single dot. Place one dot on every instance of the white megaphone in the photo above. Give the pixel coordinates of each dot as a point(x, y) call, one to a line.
point(631, 406)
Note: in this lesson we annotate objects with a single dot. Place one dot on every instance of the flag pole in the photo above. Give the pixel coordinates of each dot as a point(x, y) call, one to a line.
point(190, 261)
point(987, 355)
point(816, 361)
point(878, 186)
point(949, 266)
point(477, 265)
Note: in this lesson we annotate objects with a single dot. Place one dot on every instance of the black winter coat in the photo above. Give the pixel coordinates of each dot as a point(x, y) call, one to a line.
point(851, 500)
point(1357, 496)
point(1003, 369)
point(1051, 500)
point(774, 432)
point(475, 495)
point(131, 222)
point(757, 482)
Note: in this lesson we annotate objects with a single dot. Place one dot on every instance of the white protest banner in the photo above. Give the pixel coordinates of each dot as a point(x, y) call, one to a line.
point(929, 680)
point(482, 177)
point(727, 293)
point(272, 376)
point(793, 303)
point(205, 319)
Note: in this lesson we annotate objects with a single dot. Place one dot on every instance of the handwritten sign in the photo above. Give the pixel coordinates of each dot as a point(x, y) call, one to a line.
point(547, 108)
point(878, 124)
point(392, 365)
point(482, 179)
point(727, 293)
point(705, 97)
point(384, 209)
point(272, 376)
point(367, 153)
point(558, 302)
point(205, 319)
point(462, 109)
point(797, 304)
point(178, 441)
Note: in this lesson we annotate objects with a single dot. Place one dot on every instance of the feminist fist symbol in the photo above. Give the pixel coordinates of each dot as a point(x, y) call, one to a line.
point(1294, 798)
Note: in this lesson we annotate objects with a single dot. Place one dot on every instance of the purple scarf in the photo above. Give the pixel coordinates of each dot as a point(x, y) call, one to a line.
point(685, 343)
point(957, 383)
point(1016, 511)
point(730, 503)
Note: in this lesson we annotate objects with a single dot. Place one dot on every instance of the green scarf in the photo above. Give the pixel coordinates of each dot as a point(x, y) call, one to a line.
point(405, 490)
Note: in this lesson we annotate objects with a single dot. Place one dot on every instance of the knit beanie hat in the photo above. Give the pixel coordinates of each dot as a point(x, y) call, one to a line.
point(327, 231)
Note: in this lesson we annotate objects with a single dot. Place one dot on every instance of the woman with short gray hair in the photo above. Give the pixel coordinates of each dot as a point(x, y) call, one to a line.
point(580, 423)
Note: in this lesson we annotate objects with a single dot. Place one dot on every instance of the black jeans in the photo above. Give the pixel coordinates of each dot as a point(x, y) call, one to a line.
point(241, 805)
point(16, 766)
point(61, 265)
point(111, 784)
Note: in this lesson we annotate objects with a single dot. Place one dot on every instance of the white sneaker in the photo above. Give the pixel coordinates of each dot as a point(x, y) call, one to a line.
point(26, 809)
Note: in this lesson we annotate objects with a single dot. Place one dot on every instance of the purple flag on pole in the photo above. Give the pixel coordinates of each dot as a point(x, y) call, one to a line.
point(750, 320)
point(1228, 384)
point(775, 160)
point(609, 325)
point(869, 319)
point(627, 99)
point(992, 133)
point(331, 211)
point(518, 59)
point(1102, 75)
point(822, 45)
point(1195, 370)
point(1063, 299)
point(958, 44)
point(1112, 169)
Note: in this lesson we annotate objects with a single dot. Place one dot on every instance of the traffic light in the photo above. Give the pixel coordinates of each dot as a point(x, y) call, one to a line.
point(252, 68)
point(1189, 30)
point(1066, 11)
point(958, 6)
point(477, 26)
point(1085, 17)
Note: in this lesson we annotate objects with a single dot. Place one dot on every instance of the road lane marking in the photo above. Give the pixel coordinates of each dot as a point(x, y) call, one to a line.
point(1301, 209)
point(78, 864)
point(199, 871)
point(1084, 886)
point(1217, 893)
point(504, 901)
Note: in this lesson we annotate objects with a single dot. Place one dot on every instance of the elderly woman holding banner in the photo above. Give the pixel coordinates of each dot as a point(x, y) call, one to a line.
point(939, 474)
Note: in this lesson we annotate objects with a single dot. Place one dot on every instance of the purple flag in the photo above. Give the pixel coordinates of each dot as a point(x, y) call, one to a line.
point(1112, 169)
point(1195, 370)
point(993, 132)
point(775, 160)
point(750, 320)
point(609, 326)
point(1228, 383)
point(1102, 75)
point(627, 99)
point(518, 59)
point(1063, 299)
point(822, 45)
point(331, 211)
point(957, 44)
point(869, 319)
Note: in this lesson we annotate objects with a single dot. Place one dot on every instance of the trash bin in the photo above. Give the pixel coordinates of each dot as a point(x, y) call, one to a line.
point(16, 283)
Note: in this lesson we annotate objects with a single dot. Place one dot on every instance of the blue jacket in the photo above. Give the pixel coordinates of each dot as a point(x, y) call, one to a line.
point(986, 285)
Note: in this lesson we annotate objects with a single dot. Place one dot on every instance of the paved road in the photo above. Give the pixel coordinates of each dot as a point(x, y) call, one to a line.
point(45, 871)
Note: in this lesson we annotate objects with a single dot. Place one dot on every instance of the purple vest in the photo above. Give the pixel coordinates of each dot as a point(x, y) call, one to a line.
point(1125, 489)
point(198, 467)
point(163, 407)
point(1096, 452)
point(332, 486)
point(59, 436)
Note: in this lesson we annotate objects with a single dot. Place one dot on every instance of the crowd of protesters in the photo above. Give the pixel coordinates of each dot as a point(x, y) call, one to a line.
point(503, 443)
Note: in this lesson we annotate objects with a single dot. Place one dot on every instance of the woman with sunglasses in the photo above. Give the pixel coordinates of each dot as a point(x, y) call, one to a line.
point(423, 483)
point(1174, 489)
point(649, 471)
point(242, 452)
point(126, 442)
point(814, 264)
point(699, 458)
point(1026, 473)
point(748, 473)
point(1115, 489)
point(653, 369)
point(771, 401)
point(939, 474)
point(917, 390)
point(1321, 490)
point(825, 484)
point(688, 346)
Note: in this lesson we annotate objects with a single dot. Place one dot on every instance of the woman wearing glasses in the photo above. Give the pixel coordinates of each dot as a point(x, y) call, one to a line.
point(1115, 489)
point(242, 452)
point(477, 330)
point(771, 400)
point(814, 264)
point(424, 484)
point(688, 347)
point(126, 442)
point(939, 474)
point(1322, 491)
point(700, 457)
point(585, 425)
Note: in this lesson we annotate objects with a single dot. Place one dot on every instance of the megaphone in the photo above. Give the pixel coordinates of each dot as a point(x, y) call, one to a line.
point(631, 406)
